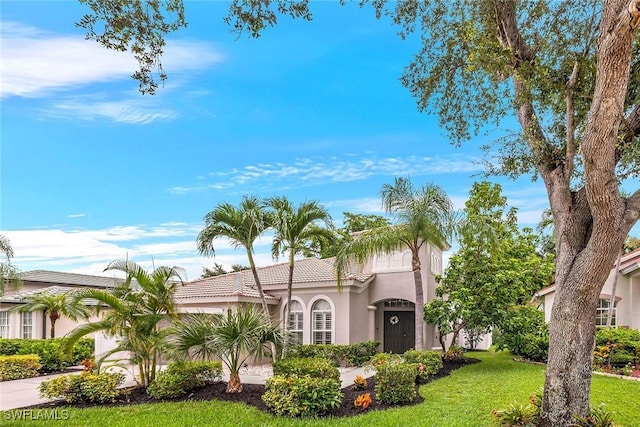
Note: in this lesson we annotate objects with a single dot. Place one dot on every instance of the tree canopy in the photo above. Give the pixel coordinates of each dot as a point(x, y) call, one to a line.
point(497, 266)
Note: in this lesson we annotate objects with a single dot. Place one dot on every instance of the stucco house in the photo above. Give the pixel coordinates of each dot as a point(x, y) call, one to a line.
point(14, 324)
point(627, 295)
point(376, 301)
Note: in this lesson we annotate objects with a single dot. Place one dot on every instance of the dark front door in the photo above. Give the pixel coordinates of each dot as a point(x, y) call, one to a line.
point(399, 331)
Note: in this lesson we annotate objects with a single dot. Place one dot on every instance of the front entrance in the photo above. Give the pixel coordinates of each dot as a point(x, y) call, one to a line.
point(399, 331)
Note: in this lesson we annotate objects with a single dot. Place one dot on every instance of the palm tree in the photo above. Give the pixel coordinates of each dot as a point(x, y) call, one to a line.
point(241, 226)
point(422, 216)
point(296, 232)
point(234, 337)
point(56, 306)
point(133, 312)
point(9, 274)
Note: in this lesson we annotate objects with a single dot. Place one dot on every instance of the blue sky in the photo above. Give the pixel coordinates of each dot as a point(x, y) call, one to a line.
point(94, 171)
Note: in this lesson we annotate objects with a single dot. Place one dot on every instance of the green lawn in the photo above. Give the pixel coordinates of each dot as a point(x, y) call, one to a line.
point(465, 398)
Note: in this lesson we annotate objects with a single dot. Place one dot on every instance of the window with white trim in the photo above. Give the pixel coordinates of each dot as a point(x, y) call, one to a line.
point(603, 311)
point(4, 324)
point(26, 324)
point(436, 264)
point(321, 322)
point(296, 321)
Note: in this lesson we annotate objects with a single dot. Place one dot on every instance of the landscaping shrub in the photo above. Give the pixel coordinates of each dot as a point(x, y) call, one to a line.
point(359, 383)
point(515, 415)
point(524, 333)
point(395, 382)
point(16, 367)
point(624, 344)
point(316, 367)
point(428, 363)
point(343, 355)
point(51, 358)
point(9, 347)
point(454, 352)
point(362, 401)
point(86, 387)
point(598, 417)
point(385, 358)
point(301, 396)
point(181, 377)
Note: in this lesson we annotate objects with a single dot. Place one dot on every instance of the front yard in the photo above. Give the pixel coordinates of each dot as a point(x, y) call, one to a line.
point(465, 398)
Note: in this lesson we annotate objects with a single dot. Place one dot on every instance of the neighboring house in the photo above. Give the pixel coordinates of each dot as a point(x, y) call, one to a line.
point(376, 301)
point(627, 296)
point(14, 324)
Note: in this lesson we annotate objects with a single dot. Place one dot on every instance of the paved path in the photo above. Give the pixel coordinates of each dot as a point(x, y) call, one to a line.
point(20, 393)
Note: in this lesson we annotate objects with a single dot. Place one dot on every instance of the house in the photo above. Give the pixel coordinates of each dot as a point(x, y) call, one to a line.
point(375, 302)
point(14, 324)
point(626, 312)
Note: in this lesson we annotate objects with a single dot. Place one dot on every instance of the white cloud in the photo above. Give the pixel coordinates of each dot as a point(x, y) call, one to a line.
point(35, 62)
point(90, 251)
point(310, 172)
point(136, 110)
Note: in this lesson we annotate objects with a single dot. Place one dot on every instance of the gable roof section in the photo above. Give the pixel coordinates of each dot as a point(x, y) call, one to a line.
point(308, 270)
point(73, 279)
point(630, 262)
point(223, 286)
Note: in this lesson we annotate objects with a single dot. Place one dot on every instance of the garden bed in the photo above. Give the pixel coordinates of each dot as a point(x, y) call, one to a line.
point(252, 395)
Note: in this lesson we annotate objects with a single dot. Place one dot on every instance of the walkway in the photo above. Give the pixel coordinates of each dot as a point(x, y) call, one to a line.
point(20, 393)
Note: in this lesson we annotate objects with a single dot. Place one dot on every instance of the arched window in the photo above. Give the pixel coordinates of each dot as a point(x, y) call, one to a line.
point(321, 318)
point(603, 311)
point(296, 321)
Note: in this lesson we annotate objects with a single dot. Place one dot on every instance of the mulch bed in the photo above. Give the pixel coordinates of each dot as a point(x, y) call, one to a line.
point(252, 395)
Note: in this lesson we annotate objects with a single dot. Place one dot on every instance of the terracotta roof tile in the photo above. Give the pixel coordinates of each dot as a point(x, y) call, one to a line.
point(308, 270)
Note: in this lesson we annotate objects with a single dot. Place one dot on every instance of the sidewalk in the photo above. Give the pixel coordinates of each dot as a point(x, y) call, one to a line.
point(20, 393)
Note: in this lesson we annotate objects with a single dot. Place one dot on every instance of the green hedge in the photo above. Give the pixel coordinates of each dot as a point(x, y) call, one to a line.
point(343, 355)
point(86, 387)
point(301, 396)
point(625, 344)
point(181, 377)
point(524, 333)
point(316, 367)
point(395, 383)
point(428, 363)
point(51, 358)
point(16, 367)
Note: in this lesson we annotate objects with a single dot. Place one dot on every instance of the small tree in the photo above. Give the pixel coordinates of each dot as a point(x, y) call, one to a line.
point(296, 227)
point(234, 337)
point(56, 306)
point(240, 225)
point(132, 315)
point(496, 266)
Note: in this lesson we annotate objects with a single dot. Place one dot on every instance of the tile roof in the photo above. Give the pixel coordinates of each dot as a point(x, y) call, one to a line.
point(226, 285)
point(69, 278)
point(20, 297)
point(308, 270)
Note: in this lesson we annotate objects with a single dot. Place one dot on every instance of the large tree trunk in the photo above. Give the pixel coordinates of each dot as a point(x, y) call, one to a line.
point(591, 226)
point(419, 306)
